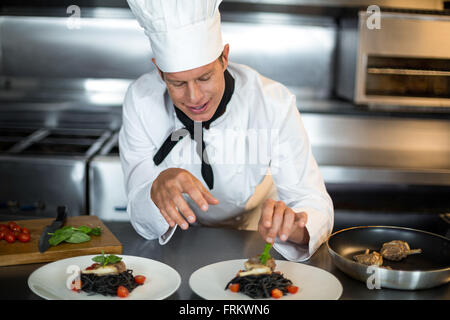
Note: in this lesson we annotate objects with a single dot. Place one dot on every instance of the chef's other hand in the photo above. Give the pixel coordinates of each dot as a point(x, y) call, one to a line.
point(166, 193)
point(279, 220)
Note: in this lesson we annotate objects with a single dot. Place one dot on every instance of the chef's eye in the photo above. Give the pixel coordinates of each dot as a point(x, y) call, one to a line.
point(178, 84)
point(205, 78)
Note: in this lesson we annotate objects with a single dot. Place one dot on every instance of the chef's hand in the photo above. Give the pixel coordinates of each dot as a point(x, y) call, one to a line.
point(279, 220)
point(166, 193)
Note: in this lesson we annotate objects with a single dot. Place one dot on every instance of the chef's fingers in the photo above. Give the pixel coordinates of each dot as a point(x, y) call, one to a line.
point(267, 213)
point(301, 219)
point(167, 218)
point(288, 224)
point(209, 197)
point(206, 194)
point(277, 220)
point(265, 221)
point(172, 212)
point(195, 193)
point(182, 206)
point(158, 202)
point(301, 234)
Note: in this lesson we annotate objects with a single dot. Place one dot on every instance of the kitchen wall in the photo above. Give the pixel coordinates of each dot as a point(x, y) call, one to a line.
point(57, 73)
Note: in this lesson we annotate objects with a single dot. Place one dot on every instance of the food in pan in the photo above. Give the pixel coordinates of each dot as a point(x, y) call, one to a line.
point(260, 280)
point(108, 276)
point(397, 250)
point(369, 259)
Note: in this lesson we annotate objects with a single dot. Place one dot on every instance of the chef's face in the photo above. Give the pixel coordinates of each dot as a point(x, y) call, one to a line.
point(197, 92)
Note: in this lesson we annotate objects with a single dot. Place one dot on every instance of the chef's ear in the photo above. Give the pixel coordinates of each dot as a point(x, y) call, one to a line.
point(224, 56)
point(159, 70)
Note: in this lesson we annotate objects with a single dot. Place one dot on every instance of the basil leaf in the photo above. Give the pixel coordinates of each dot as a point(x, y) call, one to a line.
point(73, 235)
point(84, 229)
point(99, 259)
point(65, 230)
point(96, 231)
point(113, 259)
point(60, 235)
point(78, 237)
point(265, 255)
point(104, 260)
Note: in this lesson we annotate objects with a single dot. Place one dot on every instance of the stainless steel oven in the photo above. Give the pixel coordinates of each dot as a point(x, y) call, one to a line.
point(402, 61)
point(42, 168)
point(107, 197)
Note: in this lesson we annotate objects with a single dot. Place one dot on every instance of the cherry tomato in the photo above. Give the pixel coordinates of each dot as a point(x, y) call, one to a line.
point(234, 287)
point(277, 293)
point(11, 225)
point(76, 285)
point(92, 266)
point(292, 289)
point(10, 237)
point(122, 292)
point(16, 228)
point(139, 279)
point(3, 227)
point(24, 237)
point(2, 234)
point(26, 230)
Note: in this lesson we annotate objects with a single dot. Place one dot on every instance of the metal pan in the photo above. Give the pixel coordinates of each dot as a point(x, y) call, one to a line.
point(428, 269)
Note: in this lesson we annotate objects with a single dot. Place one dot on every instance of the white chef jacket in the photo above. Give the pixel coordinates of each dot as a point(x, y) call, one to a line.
point(261, 132)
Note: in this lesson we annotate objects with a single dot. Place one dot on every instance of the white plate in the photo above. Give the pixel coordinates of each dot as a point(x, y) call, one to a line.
point(49, 281)
point(314, 284)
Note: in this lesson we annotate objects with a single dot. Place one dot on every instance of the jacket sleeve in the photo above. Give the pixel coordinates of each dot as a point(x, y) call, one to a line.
point(136, 156)
point(299, 182)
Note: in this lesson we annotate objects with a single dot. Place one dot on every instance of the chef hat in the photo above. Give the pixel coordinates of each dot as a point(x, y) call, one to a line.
point(184, 34)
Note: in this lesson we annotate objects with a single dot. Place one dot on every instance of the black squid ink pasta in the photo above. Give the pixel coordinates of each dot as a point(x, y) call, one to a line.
point(107, 285)
point(261, 286)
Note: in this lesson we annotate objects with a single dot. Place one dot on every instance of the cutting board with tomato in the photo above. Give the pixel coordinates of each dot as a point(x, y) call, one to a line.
point(28, 252)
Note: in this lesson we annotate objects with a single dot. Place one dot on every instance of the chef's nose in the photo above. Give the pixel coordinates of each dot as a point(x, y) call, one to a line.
point(195, 93)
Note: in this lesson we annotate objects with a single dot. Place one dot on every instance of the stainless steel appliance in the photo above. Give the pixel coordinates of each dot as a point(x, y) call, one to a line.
point(402, 61)
point(107, 197)
point(60, 95)
point(42, 168)
point(380, 150)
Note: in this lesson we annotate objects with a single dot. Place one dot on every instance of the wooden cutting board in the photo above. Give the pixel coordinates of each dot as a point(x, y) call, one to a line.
point(25, 253)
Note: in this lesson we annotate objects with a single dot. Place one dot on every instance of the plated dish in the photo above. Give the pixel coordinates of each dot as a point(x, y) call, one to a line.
point(58, 281)
point(108, 276)
point(313, 283)
point(259, 279)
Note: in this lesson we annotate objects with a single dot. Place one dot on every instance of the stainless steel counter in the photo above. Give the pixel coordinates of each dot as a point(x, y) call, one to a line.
point(200, 246)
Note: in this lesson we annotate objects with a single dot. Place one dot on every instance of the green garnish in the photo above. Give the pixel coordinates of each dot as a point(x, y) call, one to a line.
point(73, 235)
point(104, 260)
point(265, 255)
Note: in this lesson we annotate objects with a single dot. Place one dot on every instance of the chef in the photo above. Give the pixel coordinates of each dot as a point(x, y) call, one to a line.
point(200, 134)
